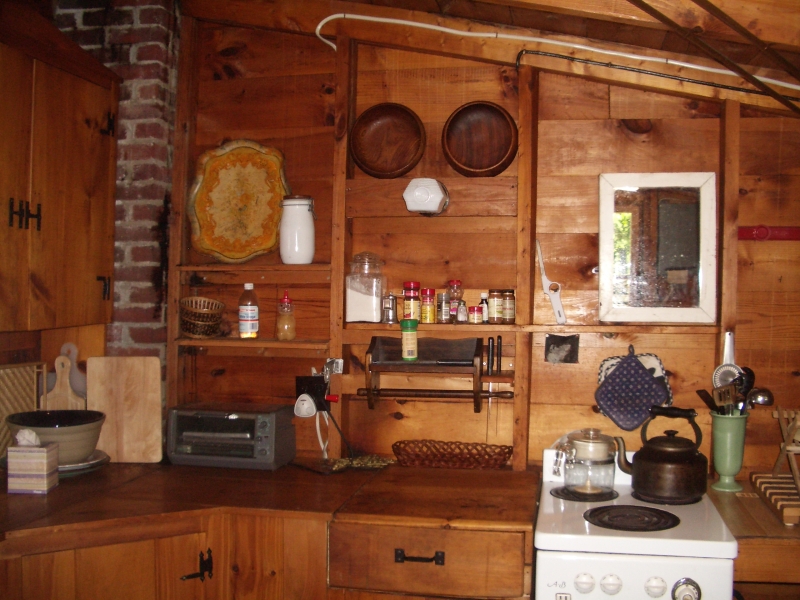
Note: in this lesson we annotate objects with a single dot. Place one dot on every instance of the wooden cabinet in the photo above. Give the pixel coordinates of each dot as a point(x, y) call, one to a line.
point(417, 560)
point(58, 149)
point(140, 570)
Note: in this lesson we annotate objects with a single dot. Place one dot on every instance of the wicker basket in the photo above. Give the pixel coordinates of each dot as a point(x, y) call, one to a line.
point(200, 317)
point(453, 455)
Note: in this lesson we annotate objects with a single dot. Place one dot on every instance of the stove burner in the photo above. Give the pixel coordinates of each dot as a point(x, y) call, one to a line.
point(655, 500)
point(628, 517)
point(567, 494)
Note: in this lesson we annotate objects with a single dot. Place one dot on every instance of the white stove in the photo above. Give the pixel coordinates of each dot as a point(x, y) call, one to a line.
point(577, 560)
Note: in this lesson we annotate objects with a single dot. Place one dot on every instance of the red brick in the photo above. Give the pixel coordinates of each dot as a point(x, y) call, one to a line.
point(136, 274)
point(133, 111)
point(148, 212)
point(148, 151)
point(148, 335)
point(144, 295)
point(143, 171)
point(65, 21)
point(141, 191)
point(156, 52)
point(134, 351)
point(119, 254)
point(169, 4)
point(155, 16)
point(150, 92)
point(154, 71)
point(106, 18)
point(146, 254)
point(114, 333)
point(120, 212)
point(141, 314)
point(137, 233)
point(151, 130)
point(138, 35)
point(88, 37)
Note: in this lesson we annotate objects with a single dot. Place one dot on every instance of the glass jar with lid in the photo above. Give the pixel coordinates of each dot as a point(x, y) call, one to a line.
point(456, 292)
point(364, 287)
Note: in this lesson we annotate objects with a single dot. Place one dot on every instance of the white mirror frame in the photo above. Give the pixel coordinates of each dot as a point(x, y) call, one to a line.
point(706, 310)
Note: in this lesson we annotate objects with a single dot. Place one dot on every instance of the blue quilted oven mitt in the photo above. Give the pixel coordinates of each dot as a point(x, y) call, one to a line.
point(628, 392)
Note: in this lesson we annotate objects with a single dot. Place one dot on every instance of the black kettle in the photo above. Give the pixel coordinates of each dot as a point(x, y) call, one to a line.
point(668, 469)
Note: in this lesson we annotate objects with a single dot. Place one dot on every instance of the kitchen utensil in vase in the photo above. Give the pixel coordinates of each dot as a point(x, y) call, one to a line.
point(728, 370)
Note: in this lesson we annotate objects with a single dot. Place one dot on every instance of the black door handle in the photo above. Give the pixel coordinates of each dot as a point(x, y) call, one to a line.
point(400, 556)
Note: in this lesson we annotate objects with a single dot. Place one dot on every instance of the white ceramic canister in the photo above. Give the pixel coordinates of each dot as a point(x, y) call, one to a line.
point(297, 230)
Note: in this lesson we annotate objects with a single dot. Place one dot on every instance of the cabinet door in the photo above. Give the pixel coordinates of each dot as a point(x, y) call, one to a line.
point(256, 558)
point(119, 571)
point(16, 79)
point(70, 180)
point(49, 576)
point(178, 556)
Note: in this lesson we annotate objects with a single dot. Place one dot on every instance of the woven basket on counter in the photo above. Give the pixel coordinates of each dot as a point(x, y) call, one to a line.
point(200, 317)
point(452, 455)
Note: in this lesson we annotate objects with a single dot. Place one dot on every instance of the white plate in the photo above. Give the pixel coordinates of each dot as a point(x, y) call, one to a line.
point(95, 459)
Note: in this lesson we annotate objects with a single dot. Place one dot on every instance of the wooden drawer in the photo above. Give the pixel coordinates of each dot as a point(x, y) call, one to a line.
point(475, 563)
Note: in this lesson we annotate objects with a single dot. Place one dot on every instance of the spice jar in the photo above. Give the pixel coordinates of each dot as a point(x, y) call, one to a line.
point(509, 307)
point(364, 287)
point(475, 315)
point(443, 308)
point(285, 324)
point(462, 316)
point(408, 339)
point(456, 293)
point(495, 302)
point(427, 306)
point(411, 303)
point(484, 306)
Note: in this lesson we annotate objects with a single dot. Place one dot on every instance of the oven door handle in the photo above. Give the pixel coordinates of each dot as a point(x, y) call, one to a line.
point(437, 558)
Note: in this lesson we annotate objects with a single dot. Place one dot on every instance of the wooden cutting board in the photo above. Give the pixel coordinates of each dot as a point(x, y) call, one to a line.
point(62, 397)
point(128, 391)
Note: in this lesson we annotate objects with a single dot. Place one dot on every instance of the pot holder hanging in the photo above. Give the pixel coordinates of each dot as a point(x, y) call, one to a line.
point(650, 361)
point(628, 391)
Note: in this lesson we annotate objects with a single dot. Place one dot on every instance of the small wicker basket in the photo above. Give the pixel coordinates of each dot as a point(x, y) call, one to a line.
point(200, 317)
point(452, 455)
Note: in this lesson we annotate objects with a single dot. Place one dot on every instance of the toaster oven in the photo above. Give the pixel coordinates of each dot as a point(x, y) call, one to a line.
point(248, 436)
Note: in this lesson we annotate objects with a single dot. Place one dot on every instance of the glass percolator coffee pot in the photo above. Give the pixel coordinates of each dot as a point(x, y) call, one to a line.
point(588, 460)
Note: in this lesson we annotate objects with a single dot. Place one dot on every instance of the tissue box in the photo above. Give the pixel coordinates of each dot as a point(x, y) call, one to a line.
point(32, 469)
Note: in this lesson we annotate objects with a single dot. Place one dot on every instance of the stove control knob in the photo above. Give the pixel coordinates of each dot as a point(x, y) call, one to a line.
point(611, 584)
point(686, 589)
point(655, 587)
point(584, 583)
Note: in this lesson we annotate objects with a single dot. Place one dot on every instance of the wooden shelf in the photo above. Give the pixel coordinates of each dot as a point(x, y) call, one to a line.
point(626, 328)
point(238, 268)
point(314, 274)
point(259, 346)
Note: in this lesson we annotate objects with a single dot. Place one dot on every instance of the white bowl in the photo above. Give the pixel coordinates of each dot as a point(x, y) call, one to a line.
point(75, 431)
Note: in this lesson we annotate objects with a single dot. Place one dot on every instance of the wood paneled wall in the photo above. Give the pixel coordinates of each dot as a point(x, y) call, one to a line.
point(278, 89)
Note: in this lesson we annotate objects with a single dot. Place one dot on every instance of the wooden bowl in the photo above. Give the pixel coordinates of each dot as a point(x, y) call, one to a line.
point(387, 140)
point(480, 139)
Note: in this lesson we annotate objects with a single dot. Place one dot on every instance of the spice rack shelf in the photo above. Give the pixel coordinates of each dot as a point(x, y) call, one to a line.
point(436, 356)
point(264, 347)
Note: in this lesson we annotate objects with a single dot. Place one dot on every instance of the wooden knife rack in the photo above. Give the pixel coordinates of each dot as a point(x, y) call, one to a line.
point(436, 356)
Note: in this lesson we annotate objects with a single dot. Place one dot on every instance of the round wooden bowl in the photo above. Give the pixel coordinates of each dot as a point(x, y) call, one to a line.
point(480, 139)
point(387, 140)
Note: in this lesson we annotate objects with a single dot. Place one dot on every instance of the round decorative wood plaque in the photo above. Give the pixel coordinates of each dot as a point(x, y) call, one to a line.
point(235, 203)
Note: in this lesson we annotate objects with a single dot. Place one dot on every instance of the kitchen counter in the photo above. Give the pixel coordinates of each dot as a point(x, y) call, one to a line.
point(137, 496)
point(769, 551)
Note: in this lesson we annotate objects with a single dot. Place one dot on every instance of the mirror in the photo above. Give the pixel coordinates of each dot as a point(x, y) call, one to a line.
point(658, 240)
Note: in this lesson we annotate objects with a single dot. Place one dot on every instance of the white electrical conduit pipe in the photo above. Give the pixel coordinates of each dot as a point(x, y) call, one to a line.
point(524, 38)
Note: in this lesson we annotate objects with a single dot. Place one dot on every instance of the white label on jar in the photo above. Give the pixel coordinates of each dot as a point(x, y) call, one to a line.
point(362, 307)
point(248, 319)
point(411, 309)
point(495, 308)
point(509, 308)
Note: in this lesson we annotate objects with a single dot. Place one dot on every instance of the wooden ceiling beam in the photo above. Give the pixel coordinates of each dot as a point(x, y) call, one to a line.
point(289, 15)
point(776, 22)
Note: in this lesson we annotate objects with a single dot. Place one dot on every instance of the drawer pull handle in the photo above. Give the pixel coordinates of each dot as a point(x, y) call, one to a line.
point(437, 558)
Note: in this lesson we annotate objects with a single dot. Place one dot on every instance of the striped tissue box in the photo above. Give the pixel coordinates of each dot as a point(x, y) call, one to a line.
point(32, 469)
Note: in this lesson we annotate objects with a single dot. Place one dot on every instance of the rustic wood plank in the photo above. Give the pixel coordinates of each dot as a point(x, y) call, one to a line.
point(602, 147)
point(568, 204)
point(562, 98)
point(485, 197)
point(767, 200)
point(728, 220)
point(629, 103)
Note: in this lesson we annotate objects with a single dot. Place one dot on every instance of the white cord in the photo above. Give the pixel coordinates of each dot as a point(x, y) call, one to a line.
point(323, 446)
point(539, 40)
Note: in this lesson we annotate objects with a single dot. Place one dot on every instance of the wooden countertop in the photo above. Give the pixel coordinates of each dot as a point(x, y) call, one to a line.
point(768, 550)
point(136, 496)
